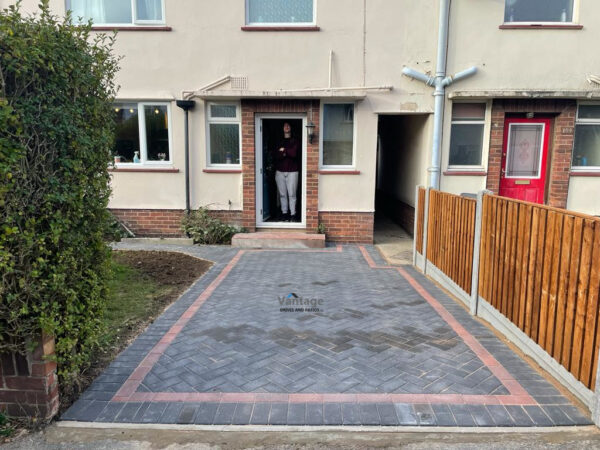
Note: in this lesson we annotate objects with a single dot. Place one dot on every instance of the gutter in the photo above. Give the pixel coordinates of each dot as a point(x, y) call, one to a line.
point(440, 81)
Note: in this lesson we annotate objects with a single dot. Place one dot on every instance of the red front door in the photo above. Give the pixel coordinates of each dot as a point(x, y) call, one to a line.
point(524, 158)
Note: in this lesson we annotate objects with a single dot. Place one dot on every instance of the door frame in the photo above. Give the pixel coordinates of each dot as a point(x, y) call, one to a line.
point(258, 157)
point(545, 153)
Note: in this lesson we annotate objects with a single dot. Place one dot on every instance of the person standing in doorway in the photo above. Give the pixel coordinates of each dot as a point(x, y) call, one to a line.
point(286, 174)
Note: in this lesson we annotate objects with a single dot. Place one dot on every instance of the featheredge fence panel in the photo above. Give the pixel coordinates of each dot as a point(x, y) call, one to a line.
point(540, 268)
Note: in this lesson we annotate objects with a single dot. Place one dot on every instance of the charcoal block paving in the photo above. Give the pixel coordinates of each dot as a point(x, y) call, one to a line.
point(316, 322)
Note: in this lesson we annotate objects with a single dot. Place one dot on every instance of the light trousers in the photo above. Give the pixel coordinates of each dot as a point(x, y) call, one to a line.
point(287, 185)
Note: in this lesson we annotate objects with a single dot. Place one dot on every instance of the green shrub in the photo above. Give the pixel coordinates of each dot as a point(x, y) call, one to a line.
point(56, 135)
point(6, 429)
point(204, 229)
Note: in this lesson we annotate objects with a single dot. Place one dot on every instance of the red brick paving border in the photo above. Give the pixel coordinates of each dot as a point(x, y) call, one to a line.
point(518, 395)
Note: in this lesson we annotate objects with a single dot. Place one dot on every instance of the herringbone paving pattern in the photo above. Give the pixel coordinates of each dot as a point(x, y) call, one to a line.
point(372, 334)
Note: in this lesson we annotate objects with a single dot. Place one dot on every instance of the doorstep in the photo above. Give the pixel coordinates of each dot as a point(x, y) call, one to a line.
point(280, 239)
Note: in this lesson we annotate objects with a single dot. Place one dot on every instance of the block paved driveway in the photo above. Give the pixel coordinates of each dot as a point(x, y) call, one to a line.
point(384, 347)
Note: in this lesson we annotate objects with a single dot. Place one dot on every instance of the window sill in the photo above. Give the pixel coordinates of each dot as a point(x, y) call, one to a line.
point(144, 169)
point(339, 172)
point(222, 170)
point(465, 173)
point(131, 28)
point(535, 26)
point(575, 173)
point(279, 28)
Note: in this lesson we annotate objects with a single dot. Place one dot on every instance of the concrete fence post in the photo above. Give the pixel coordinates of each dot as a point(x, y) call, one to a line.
point(477, 252)
point(425, 227)
point(595, 406)
point(417, 208)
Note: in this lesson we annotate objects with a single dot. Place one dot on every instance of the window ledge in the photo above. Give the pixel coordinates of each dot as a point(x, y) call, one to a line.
point(132, 28)
point(145, 169)
point(222, 170)
point(279, 28)
point(465, 173)
point(576, 173)
point(339, 172)
point(535, 26)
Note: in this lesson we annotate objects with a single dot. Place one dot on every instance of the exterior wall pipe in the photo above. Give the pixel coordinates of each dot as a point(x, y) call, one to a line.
point(440, 82)
point(186, 105)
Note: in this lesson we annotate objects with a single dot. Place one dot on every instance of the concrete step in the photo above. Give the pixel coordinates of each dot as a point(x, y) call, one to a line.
point(278, 240)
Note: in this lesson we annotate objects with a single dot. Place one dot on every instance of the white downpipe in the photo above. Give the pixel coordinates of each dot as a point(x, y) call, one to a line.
point(440, 81)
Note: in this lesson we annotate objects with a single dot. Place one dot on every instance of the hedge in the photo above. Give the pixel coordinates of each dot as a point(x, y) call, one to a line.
point(56, 135)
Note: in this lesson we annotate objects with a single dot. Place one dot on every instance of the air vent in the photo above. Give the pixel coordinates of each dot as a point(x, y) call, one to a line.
point(239, 83)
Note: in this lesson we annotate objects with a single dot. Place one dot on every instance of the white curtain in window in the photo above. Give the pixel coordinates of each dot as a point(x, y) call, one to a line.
point(89, 9)
point(149, 10)
point(280, 11)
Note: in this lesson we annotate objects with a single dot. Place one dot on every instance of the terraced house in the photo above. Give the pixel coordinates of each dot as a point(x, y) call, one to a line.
point(524, 121)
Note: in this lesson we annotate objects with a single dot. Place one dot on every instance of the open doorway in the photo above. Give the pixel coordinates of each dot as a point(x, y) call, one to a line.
point(280, 176)
point(402, 149)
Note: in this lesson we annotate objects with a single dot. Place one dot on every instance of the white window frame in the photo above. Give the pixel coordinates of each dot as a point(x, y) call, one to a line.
point(541, 150)
point(280, 24)
point(226, 120)
point(322, 132)
point(484, 123)
point(144, 162)
point(134, 20)
point(579, 121)
point(574, 20)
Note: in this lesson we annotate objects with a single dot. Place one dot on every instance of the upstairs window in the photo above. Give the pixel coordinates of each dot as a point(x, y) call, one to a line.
point(586, 150)
point(118, 12)
point(280, 12)
point(538, 11)
point(466, 135)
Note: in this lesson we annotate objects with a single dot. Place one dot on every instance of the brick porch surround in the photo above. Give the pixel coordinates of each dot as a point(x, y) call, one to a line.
point(249, 109)
point(28, 383)
point(563, 114)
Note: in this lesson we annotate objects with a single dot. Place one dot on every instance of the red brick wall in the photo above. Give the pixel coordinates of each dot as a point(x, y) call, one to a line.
point(28, 383)
point(560, 147)
point(249, 109)
point(165, 222)
point(354, 227)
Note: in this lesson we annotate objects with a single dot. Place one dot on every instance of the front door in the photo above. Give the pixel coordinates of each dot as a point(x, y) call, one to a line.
point(269, 207)
point(524, 159)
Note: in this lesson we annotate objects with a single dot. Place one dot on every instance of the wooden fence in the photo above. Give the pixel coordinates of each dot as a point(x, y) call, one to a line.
point(450, 236)
point(540, 268)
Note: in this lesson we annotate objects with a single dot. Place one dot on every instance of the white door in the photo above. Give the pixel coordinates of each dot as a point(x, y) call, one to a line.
point(260, 173)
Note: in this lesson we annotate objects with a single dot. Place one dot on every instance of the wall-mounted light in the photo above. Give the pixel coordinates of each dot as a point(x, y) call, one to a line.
point(310, 130)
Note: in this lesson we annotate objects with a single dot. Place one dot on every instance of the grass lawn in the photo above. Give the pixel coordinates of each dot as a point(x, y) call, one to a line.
point(133, 298)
